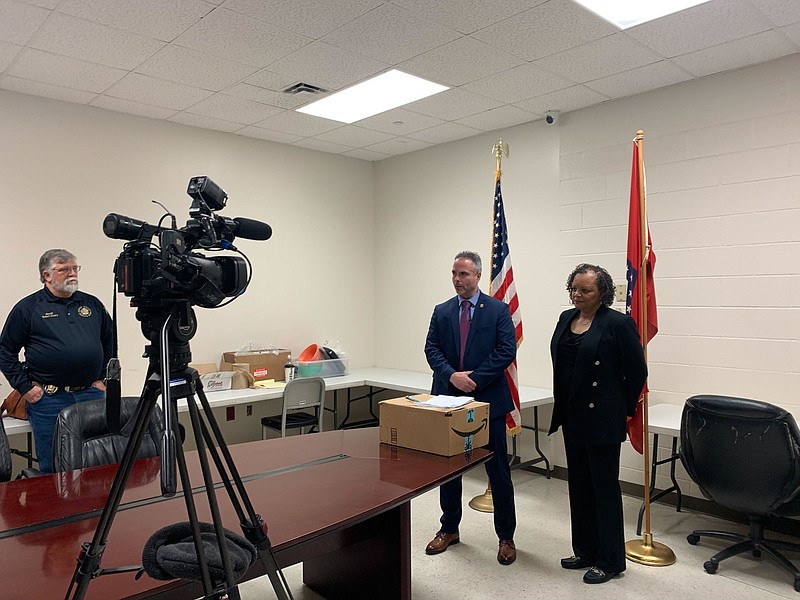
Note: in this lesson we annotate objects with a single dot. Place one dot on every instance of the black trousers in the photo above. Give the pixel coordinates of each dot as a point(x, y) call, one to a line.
point(499, 472)
point(595, 505)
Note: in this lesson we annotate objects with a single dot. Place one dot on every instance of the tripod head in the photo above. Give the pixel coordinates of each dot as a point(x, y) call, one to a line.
point(181, 329)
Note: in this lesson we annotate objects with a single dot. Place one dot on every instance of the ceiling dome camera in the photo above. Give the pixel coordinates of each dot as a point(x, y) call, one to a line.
point(551, 117)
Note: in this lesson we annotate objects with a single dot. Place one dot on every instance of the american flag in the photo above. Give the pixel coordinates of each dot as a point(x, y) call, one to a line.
point(502, 287)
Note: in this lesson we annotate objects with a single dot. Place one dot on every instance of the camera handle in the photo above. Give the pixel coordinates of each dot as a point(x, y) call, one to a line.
point(209, 439)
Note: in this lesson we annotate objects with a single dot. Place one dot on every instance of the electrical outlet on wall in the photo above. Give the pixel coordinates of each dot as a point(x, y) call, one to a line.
point(249, 410)
point(620, 292)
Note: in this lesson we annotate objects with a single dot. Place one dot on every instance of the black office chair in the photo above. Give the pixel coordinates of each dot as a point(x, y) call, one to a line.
point(744, 455)
point(298, 396)
point(5, 454)
point(82, 438)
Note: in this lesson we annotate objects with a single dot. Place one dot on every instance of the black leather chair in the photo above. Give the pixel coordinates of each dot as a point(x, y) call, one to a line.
point(745, 456)
point(82, 438)
point(5, 455)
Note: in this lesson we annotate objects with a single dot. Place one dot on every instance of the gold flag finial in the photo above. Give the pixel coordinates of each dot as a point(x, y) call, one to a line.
point(499, 149)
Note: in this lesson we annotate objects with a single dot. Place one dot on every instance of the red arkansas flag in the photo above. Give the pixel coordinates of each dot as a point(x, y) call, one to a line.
point(639, 257)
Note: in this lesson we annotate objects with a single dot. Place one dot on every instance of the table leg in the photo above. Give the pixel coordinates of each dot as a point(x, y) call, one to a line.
point(672, 459)
point(518, 464)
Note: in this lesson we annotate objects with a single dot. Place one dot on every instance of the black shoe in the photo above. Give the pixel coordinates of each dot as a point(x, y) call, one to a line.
point(595, 575)
point(576, 562)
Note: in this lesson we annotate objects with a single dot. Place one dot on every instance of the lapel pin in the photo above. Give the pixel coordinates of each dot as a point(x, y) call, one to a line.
point(480, 305)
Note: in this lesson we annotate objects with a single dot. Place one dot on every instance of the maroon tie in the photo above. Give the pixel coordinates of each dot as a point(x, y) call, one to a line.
point(463, 328)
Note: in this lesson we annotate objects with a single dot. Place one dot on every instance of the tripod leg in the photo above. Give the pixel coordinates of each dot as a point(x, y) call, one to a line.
point(91, 554)
point(252, 525)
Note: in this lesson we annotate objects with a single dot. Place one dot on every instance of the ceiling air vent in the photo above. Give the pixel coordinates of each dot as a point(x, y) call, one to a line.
point(304, 88)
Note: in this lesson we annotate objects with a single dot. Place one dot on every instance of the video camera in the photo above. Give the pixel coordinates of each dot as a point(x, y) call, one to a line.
point(171, 270)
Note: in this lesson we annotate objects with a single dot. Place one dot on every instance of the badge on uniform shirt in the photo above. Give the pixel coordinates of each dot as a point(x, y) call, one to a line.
point(84, 311)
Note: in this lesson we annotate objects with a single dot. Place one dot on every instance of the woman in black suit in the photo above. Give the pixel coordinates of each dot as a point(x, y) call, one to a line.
point(598, 374)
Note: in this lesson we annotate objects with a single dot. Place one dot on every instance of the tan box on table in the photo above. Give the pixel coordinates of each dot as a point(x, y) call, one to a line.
point(227, 380)
point(444, 431)
point(261, 365)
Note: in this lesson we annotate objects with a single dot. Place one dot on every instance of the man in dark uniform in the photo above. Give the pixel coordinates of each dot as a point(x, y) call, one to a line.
point(67, 337)
point(470, 344)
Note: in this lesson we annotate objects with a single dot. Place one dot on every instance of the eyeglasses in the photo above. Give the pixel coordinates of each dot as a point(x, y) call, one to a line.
point(66, 270)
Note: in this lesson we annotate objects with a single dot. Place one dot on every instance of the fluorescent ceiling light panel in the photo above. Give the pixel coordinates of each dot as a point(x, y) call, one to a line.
point(627, 13)
point(379, 94)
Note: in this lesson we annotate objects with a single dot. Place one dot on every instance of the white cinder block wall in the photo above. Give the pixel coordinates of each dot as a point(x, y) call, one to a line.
point(722, 159)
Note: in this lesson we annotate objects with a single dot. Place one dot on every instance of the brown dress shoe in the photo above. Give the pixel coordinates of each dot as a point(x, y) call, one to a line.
point(441, 542)
point(507, 552)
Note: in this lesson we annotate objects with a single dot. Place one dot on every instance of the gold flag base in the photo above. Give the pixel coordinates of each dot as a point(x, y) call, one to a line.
point(483, 503)
point(649, 553)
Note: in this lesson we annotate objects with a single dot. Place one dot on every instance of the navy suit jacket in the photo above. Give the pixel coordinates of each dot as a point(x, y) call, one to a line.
point(491, 348)
point(609, 374)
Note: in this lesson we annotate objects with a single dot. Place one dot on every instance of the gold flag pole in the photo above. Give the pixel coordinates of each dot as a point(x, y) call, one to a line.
point(484, 502)
point(645, 551)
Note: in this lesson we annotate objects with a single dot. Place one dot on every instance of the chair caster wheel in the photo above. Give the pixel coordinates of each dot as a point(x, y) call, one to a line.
point(693, 539)
point(710, 567)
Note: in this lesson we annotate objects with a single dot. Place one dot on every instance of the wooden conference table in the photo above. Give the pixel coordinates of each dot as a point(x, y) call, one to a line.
point(375, 379)
point(337, 501)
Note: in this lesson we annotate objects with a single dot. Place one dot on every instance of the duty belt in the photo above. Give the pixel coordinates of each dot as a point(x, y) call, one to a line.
point(51, 389)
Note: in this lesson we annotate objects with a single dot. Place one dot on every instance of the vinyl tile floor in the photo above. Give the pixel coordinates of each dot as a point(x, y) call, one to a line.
point(470, 570)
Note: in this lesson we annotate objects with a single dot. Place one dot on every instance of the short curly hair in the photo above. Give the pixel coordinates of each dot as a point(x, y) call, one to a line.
point(605, 283)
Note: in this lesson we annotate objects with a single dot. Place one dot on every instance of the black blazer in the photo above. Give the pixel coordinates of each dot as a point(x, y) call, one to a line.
point(491, 347)
point(609, 374)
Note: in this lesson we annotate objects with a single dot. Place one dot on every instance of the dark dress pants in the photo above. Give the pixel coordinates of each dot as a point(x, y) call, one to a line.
point(595, 505)
point(499, 472)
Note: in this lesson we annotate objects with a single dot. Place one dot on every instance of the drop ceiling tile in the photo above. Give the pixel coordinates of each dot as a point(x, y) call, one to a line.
point(519, 83)
point(363, 154)
point(571, 98)
point(133, 108)
point(18, 22)
point(268, 134)
point(780, 12)
point(68, 36)
point(452, 104)
point(353, 136)
point(64, 71)
point(546, 29)
point(259, 94)
point(270, 80)
point(241, 39)
point(793, 31)
point(231, 108)
point(498, 118)
point(322, 145)
point(189, 67)
point(7, 54)
point(158, 92)
point(298, 123)
point(329, 67)
point(446, 132)
point(467, 16)
point(612, 54)
point(754, 49)
point(459, 62)
point(158, 19)
point(399, 121)
point(390, 34)
point(205, 122)
point(46, 90)
point(309, 17)
point(398, 145)
point(642, 79)
point(700, 27)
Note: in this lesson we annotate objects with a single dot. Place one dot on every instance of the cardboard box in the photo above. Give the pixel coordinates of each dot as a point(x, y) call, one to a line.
point(444, 431)
point(261, 365)
point(204, 368)
point(226, 380)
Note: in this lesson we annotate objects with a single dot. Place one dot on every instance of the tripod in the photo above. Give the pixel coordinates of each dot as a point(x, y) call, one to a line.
point(170, 376)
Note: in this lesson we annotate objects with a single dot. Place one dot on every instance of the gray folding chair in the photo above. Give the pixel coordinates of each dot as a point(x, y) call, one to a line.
point(298, 396)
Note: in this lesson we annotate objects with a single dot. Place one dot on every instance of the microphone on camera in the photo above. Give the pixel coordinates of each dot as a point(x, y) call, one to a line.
point(251, 229)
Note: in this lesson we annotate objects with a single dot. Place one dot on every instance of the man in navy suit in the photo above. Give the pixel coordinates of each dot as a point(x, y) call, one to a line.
point(470, 343)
